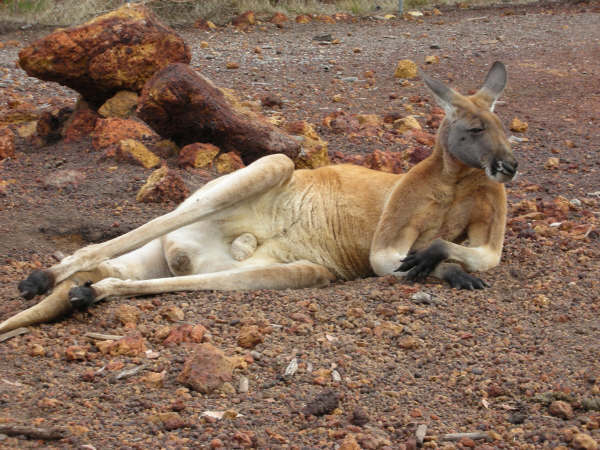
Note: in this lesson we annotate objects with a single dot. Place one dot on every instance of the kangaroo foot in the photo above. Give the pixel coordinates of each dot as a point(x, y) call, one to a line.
point(82, 296)
point(459, 279)
point(38, 282)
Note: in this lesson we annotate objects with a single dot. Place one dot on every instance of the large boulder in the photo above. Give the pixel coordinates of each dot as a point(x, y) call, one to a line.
point(180, 103)
point(118, 51)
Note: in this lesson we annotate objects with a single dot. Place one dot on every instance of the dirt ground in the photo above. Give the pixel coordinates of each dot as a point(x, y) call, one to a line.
point(492, 361)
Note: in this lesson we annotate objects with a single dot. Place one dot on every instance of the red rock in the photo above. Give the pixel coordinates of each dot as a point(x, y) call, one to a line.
point(7, 143)
point(120, 50)
point(108, 133)
point(207, 369)
point(228, 162)
point(198, 155)
point(279, 18)
point(128, 314)
point(244, 21)
point(303, 18)
point(204, 24)
point(76, 353)
point(81, 123)
point(250, 336)
point(423, 137)
point(128, 346)
point(50, 124)
point(186, 333)
point(163, 185)
point(384, 161)
point(561, 409)
point(181, 104)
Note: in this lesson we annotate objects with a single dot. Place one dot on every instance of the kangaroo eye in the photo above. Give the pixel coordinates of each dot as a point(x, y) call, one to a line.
point(475, 130)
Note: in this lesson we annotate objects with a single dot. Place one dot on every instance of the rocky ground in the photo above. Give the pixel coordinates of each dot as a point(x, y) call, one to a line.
point(360, 364)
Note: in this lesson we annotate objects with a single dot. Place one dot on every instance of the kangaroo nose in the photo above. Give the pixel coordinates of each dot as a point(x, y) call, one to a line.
point(508, 167)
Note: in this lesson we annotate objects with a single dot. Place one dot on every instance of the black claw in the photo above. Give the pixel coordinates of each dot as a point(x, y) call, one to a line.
point(82, 296)
point(38, 282)
point(420, 264)
point(459, 279)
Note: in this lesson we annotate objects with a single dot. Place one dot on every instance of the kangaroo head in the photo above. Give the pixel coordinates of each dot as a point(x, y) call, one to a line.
point(471, 132)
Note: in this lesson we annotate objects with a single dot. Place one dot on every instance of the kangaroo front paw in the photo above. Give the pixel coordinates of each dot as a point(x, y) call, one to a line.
point(82, 296)
point(420, 264)
point(38, 282)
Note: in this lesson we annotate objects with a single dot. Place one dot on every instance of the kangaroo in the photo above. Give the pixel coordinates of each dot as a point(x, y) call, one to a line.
point(268, 226)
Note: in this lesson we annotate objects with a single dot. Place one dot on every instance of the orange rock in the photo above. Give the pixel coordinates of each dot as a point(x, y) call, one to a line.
point(7, 143)
point(108, 133)
point(76, 353)
point(303, 18)
point(279, 18)
point(136, 152)
point(198, 155)
point(518, 126)
point(325, 19)
point(228, 162)
point(206, 370)
point(122, 105)
point(119, 50)
point(244, 21)
point(185, 333)
point(81, 123)
point(390, 162)
point(204, 24)
point(250, 336)
point(128, 314)
point(163, 185)
point(128, 346)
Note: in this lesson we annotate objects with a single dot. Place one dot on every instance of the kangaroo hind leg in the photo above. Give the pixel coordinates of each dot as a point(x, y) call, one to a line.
point(258, 177)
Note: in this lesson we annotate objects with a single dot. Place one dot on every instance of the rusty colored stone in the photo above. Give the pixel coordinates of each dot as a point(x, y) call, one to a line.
point(206, 370)
point(81, 122)
point(7, 143)
point(181, 104)
point(117, 51)
point(122, 105)
point(198, 155)
point(128, 346)
point(185, 333)
point(228, 162)
point(108, 133)
point(163, 185)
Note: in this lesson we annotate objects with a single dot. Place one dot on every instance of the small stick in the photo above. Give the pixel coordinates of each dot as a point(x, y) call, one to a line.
point(129, 372)
point(32, 432)
point(458, 436)
point(477, 18)
point(103, 337)
point(13, 333)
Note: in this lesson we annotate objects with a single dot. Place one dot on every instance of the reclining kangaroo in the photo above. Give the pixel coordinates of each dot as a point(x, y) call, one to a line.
point(267, 226)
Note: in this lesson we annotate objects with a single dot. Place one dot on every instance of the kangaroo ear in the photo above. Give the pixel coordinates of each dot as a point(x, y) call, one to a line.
point(442, 93)
point(494, 84)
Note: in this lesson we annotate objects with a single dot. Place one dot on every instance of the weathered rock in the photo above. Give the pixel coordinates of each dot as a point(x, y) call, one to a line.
point(325, 19)
point(203, 24)
point(303, 18)
point(7, 143)
point(407, 124)
point(322, 404)
point(185, 333)
point(27, 130)
point(172, 313)
point(118, 51)
point(349, 443)
point(561, 409)
point(207, 369)
point(168, 420)
point(154, 379)
point(391, 162)
point(163, 185)
point(279, 18)
point(108, 133)
point(406, 69)
point(250, 336)
point(76, 353)
point(135, 152)
point(313, 153)
point(583, 441)
point(129, 346)
point(81, 123)
point(198, 155)
point(228, 162)
point(518, 126)
point(432, 59)
point(122, 105)
point(128, 314)
point(244, 21)
point(180, 103)
point(50, 124)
